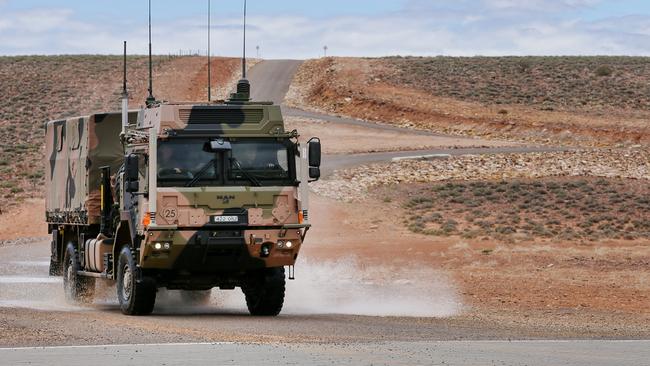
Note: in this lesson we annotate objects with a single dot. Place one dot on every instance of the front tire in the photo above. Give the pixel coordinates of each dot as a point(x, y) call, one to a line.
point(56, 267)
point(135, 292)
point(77, 288)
point(264, 291)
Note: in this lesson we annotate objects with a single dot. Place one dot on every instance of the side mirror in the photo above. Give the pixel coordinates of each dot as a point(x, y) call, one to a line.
point(314, 153)
point(314, 173)
point(131, 173)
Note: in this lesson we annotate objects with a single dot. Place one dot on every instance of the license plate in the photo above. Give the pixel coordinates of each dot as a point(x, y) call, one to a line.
point(224, 219)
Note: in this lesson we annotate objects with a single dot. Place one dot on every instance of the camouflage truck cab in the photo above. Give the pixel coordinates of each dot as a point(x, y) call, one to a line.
point(188, 197)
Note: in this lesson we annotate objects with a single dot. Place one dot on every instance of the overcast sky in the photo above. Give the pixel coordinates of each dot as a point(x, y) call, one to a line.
point(300, 28)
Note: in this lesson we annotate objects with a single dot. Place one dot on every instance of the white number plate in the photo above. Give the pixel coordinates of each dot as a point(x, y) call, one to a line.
point(222, 219)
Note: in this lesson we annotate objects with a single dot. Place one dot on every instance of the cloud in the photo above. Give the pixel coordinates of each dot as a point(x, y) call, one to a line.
point(463, 27)
point(496, 7)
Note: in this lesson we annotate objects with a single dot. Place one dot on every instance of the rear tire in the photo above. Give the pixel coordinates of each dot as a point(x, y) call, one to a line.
point(264, 291)
point(77, 288)
point(135, 292)
point(55, 268)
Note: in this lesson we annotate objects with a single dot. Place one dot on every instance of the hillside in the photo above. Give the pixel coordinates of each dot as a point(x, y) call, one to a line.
point(591, 101)
point(36, 89)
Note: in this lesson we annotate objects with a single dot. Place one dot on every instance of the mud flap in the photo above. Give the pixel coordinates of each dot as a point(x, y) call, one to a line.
point(56, 269)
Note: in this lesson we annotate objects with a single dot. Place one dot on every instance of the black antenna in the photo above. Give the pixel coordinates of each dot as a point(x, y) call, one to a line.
point(150, 98)
point(243, 93)
point(243, 59)
point(125, 98)
point(125, 93)
point(209, 66)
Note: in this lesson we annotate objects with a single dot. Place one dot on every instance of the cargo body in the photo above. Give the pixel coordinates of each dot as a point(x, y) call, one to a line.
point(184, 196)
point(74, 153)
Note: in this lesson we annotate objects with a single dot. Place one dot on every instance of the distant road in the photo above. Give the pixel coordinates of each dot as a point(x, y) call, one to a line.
point(469, 353)
point(336, 162)
point(270, 80)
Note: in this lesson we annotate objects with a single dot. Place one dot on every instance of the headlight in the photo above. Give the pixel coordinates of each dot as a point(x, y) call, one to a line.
point(285, 244)
point(161, 246)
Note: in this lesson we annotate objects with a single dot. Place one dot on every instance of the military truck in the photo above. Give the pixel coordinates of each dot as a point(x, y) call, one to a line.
point(179, 196)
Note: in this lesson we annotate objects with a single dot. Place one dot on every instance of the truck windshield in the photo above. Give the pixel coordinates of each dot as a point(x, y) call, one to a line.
point(179, 161)
point(263, 160)
point(251, 162)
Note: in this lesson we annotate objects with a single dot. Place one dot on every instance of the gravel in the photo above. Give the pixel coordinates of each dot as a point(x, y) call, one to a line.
point(352, 185)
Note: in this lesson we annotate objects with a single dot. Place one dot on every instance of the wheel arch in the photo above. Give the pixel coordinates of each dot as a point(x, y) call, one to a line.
point(122, 238)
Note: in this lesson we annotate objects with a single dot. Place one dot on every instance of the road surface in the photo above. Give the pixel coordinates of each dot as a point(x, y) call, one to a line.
point(270, 80)
point(532, 353)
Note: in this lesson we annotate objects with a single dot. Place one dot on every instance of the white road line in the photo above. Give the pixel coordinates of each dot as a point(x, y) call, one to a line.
point(31, 263)
point(21, 279)
point(421, 157)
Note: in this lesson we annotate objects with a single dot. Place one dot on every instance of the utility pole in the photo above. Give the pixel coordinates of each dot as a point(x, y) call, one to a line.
point(258, 51)
point(325, 48)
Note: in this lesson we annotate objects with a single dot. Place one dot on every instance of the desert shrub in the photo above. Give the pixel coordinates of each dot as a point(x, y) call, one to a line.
point(603, 71)
point(567, 210)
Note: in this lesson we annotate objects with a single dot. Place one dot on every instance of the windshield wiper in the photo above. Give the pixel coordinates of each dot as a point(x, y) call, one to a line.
point(248, 176)
point(203, 170)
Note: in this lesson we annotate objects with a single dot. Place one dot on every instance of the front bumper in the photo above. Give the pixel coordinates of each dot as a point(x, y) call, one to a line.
point(220, 251)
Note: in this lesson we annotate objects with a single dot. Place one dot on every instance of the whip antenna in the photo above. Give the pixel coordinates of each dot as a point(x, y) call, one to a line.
point(243, 60)
point(243, 93)
point(209, 65)
point(124, 91)
point(150, 98)
point(125, 97)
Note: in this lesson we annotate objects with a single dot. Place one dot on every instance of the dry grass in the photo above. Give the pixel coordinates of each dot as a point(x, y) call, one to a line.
point(547, 83)
point(36, 89)
point(584, 209)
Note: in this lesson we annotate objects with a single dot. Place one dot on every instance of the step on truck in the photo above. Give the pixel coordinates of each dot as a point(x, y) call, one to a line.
point(180, 196)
